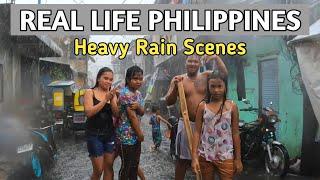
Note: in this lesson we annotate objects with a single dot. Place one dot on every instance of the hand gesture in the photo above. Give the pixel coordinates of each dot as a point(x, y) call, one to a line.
point(211, 57)
point(116, 91)
point(177, 79)
point(134, 106)
point(237, 166)
point(195, 165)
point(109, 96)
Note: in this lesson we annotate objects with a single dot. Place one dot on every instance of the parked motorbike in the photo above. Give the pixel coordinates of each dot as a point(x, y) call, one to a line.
point(43, 137)
point(258, 141)
point(18, 150)
point(41, 130)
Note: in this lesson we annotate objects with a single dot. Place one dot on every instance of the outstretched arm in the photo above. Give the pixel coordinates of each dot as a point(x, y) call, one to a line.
point(164, 120)
point(219, 63)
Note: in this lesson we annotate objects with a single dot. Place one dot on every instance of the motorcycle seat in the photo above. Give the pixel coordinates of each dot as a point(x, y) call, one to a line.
point(245, 125)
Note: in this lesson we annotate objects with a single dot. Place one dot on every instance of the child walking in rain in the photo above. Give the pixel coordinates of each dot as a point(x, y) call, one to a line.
point(156, 130)
point(216, 141)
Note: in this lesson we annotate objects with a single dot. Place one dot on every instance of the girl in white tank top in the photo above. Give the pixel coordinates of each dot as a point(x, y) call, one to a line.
point(216, 141)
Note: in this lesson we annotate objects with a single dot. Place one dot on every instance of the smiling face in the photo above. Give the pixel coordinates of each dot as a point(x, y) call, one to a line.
point(217, 88)
point(106, 80)
point(193, 64)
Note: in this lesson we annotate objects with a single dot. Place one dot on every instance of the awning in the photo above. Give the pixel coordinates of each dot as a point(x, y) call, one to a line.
point(55, 60)
point(29, 46)
point(61, 83)
point(52, 45)
point(314, 33)
point(37, 46)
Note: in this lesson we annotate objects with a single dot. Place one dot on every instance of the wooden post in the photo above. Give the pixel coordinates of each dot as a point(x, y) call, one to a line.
point(186, 121)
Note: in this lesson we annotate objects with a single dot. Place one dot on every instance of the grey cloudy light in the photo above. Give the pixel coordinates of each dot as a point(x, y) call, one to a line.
point(101, 61)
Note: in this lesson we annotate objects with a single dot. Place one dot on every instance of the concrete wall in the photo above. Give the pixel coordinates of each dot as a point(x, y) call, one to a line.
point(290, 102)
point(12, 74)
point(16, 65)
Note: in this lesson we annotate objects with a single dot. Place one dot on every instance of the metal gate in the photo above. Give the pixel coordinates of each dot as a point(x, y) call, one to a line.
point(269, 83)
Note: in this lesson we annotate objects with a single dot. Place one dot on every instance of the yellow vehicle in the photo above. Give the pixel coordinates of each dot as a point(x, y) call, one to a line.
point(67, 106)
point(79, 118)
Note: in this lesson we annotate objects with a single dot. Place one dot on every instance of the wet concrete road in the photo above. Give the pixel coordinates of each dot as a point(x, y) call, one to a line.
point(73, 162)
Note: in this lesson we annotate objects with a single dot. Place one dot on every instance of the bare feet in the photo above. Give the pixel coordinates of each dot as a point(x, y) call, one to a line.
point(152, 148)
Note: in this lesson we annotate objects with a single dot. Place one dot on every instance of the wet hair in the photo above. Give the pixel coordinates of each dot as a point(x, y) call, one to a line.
point(132, 71)
point(217, 75)
point(100, 73)
point(154, 108)
point(194, 56)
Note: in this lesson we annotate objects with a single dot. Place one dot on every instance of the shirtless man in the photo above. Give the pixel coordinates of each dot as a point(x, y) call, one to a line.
point(195, 85)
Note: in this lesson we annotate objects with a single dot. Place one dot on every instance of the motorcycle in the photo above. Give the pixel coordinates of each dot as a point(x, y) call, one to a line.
point(43, 137)
point(18, 150)
point(41, 130)
point(258, 139)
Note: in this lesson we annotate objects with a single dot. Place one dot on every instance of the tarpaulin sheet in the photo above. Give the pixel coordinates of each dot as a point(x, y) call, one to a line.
point(308, 54)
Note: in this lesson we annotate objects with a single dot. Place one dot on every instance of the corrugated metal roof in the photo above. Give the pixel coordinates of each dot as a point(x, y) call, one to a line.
point(51, 44)
point(61, 83)
point(314, 33)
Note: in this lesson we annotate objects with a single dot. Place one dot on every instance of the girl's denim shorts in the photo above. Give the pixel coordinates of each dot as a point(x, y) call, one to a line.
point(98, 145)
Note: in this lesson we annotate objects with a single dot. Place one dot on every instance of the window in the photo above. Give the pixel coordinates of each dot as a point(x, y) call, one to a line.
point(1, 83)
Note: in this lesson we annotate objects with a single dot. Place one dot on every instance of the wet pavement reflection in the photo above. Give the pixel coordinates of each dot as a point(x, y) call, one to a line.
point(73, 162)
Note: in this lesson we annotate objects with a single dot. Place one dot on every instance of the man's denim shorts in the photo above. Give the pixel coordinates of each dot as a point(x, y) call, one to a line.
point(98, 145)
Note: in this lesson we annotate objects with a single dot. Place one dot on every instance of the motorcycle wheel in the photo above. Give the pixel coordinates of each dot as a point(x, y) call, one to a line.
point(36, 165)
point(279, 164)
point(52, 141)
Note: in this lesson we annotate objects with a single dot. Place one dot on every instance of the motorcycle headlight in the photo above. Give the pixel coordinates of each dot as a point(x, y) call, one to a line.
point(273, 119)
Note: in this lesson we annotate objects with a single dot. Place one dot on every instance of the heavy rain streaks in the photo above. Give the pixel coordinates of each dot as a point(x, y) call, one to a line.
point(73, 161)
